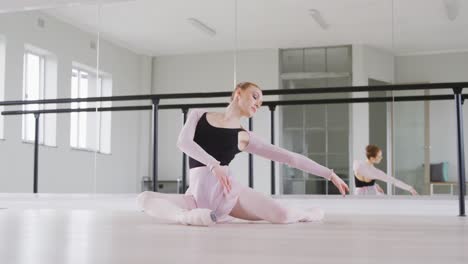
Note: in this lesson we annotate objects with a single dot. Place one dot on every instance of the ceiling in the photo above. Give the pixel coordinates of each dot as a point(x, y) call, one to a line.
point(22, 5)
point(160, 27)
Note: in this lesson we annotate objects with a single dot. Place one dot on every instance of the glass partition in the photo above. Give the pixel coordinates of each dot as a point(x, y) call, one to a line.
point(424, 132)
point(191, 50)
point(91, 51)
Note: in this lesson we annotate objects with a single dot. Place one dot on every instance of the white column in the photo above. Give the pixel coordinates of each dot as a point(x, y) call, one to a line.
point(359, 112)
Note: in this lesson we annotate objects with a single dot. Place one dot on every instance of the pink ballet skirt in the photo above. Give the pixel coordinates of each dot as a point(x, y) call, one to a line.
point(367, 190)
point(208, 192)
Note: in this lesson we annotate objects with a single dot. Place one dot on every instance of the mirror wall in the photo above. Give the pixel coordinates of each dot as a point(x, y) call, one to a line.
point(112, 48)
point(39, 52)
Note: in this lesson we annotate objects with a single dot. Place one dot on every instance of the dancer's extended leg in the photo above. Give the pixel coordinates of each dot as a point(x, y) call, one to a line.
point(253, 205)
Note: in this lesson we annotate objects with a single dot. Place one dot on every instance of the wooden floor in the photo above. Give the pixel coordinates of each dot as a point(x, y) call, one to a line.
point(110, 230)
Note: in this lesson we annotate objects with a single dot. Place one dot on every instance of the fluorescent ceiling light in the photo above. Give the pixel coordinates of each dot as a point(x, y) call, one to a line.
point(315, 14)
point(202, 26)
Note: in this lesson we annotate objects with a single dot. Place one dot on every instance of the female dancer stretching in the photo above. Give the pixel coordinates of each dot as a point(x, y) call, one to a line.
point(211, 140)
point(365, 174)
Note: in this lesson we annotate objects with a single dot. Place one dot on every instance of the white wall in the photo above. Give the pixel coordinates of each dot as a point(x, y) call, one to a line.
point(432, 68)
point(379, 64)
point(368, 63)
point(211, 72)
point(359, 120)
point(62, 169)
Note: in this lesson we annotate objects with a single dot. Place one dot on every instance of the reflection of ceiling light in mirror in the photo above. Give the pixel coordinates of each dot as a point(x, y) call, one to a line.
point(201, 26)
point(452, 8)
point(317, 16)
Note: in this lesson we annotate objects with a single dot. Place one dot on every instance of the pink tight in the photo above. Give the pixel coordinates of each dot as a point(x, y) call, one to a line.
point(253, 205)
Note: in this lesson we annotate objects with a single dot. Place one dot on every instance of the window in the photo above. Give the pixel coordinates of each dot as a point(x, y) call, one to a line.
point(39, 82)
point(2, 83)
point(319, 132)
point(89, 130)
point(33, 84)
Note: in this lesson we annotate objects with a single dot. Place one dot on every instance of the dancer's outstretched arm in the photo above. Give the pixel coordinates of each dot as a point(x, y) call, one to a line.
point(371, 172)
point(258, 146)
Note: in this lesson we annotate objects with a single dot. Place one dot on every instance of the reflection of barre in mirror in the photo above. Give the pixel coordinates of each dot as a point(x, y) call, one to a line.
point(211, 140)
point(365, 175)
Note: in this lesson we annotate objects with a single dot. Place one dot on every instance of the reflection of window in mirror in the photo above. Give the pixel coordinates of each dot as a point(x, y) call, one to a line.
point(317, 131)
point(39, 82)
point(2, 82)
point(84, 125)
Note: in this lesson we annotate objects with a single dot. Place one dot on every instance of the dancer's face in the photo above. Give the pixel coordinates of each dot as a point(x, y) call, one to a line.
point(249, 100)
point(378, 158)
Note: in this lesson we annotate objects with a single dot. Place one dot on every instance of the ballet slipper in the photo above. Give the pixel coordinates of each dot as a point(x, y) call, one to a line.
point(165, 210)
point(197, 217)
point(313, 215)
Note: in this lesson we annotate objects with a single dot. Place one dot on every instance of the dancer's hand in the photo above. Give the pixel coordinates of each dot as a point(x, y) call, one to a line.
point(340, 184)
point(379, 189)
point(221, 173)
point(413, 191)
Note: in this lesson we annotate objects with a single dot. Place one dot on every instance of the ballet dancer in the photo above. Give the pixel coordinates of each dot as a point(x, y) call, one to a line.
point(211, 140)
point(365, 175)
